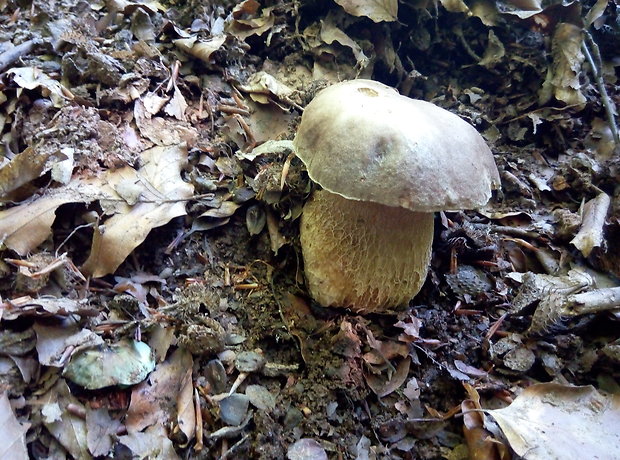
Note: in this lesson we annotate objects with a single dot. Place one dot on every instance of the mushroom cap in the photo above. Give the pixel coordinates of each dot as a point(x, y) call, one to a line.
point(362, 140)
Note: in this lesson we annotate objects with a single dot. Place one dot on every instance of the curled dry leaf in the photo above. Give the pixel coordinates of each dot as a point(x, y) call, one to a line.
point(25, 167)
point(378, 11)
point(201, 49)
point(32, 78)
point(383, 388)
point(590, 234)
point(563, 75)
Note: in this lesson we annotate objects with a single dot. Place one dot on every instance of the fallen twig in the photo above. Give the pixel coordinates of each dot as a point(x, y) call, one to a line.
point(595, 61)
point(12, 55)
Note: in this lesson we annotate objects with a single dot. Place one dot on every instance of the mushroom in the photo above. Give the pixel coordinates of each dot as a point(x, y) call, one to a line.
point(385, 164)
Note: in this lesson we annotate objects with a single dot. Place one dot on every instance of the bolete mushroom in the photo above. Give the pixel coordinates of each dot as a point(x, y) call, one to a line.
point(385, 163)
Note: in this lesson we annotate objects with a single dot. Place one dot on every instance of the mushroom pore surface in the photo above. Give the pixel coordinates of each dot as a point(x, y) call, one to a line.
point(363, 255)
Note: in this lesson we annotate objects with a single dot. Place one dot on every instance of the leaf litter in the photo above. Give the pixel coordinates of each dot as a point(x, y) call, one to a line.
point(150, 198)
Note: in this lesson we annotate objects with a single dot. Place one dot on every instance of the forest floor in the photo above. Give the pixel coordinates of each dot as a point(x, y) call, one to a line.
point(152, 296)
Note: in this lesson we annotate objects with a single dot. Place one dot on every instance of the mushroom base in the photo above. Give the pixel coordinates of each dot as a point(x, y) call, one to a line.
point(363, 255)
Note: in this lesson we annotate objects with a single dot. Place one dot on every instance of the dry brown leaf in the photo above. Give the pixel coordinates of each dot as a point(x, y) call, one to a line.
point(32, 78)
point(244, 28)
point(163, 196)
point(24, 227)
point(177, 105)
point(24, 167)
point(12, 433)
point(455, 6)
point(330, 34)
point(377, 10)
point(151, 402)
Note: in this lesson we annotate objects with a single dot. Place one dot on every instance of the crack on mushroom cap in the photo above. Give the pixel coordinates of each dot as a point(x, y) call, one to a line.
point(362, 140)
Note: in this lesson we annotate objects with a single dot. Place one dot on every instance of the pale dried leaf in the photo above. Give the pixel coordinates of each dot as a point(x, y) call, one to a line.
point(163, 198)
point(550, 420)
point(306, 449)
point(177, 105)
point(330, 34)
point(24, 227)
point(226, 209)
point(201, 49)
point(101, 429)
point(596, 12)
point(69, 429)
point(12, 433)
point(32, 78)
point(153, 444)
point(162, 131)
point(455, 6)
point(377, 10)
point(186, 417)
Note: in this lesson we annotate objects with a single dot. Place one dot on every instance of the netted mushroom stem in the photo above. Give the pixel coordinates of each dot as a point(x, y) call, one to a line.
point(364, 255)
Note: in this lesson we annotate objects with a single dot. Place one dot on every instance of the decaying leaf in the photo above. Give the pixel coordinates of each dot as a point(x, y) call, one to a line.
point(67, 427)
point(562, 79)
point(330, 34)
point(455, 6)
point(550, 420)
point(258, 25)
point(186, 414)
point(54, 340)
point(12, 433)
point(101, 430)
point(24, 227)
point(383, 387)
point(151, 403)
point(377, 10)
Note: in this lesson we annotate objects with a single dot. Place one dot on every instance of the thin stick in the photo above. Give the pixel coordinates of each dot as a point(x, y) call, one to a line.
point(600, 83)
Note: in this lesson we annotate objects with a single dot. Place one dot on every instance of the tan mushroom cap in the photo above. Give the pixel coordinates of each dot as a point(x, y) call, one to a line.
point(362, 140)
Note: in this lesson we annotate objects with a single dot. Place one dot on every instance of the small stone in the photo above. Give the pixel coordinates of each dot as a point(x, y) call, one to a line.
point(260, 397)
point(234, 408)
point(249, 361)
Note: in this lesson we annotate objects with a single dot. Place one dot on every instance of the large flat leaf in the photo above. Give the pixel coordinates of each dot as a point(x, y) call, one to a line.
point(552, 421)
point(145, 199)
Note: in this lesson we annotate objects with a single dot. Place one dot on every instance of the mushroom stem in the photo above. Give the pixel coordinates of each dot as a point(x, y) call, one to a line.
point(364, 255)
